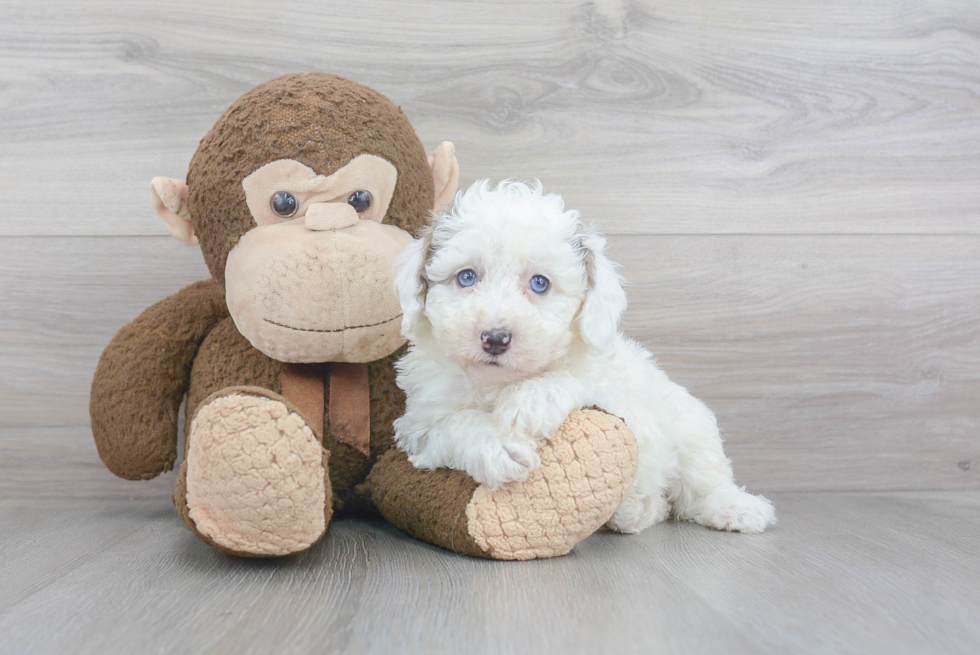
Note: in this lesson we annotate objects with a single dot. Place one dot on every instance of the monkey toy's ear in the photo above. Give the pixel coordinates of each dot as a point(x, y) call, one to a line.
point(445, 174)
point(169, 198)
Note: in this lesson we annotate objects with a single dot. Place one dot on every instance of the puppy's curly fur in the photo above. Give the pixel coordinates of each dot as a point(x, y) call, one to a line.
point(512, 312)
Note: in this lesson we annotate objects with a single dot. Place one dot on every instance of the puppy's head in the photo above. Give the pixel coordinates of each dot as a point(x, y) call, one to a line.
point(507, 281)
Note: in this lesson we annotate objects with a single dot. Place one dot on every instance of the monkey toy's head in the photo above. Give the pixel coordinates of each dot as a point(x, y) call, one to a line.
point(301, 196)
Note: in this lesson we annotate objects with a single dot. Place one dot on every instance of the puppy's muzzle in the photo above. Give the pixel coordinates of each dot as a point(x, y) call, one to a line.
point(495, 341)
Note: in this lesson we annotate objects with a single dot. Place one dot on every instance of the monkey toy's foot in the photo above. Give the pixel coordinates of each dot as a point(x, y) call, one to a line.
point(254, 481)
point(586, 472)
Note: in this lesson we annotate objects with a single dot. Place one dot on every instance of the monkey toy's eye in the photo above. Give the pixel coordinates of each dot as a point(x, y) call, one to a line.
point(466, 278)
point(284, 204)
point(360, 201)
point(539, 284)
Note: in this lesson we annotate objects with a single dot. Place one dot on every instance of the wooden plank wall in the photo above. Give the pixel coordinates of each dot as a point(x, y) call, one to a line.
point(793, 190)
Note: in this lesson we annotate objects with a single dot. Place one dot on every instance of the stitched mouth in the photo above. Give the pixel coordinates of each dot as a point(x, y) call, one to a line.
point(349, 327)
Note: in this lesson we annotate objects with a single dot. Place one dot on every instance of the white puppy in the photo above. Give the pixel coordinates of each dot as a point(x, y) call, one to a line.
point(512, 312)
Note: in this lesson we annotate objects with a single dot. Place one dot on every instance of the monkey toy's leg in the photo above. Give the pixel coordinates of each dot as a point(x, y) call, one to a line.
point(254, 481)
point(586, 472)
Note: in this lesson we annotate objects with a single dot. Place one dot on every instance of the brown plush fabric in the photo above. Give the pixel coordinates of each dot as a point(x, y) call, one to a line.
point(318, 119)
point(188, 344)
point(141, 379)
point(348, 466)
point(429, 505)
point(227, 359)
point(586, 472)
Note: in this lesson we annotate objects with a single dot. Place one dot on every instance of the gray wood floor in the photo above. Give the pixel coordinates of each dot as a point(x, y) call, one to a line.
point(791, 188)
point(841, 573)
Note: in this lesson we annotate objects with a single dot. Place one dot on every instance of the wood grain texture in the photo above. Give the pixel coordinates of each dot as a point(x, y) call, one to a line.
point(792, 190)
point(848, 363)
point(832, 363)
point(840, 573)
point(654, 117)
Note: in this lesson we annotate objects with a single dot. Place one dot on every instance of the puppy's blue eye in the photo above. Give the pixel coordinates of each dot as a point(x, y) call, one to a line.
point(539, 284)
point(466, 278)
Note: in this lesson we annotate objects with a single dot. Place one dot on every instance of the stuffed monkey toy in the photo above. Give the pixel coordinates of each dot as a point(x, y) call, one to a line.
point(300, 197)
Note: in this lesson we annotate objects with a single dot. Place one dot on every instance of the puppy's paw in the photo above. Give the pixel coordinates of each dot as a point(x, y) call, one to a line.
point(638, 512)
point(500, 462)
point(737, 510)
point(532, 412)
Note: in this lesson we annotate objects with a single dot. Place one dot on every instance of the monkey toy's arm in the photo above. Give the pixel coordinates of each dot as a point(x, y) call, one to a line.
point(586, 472)
point(142, 377)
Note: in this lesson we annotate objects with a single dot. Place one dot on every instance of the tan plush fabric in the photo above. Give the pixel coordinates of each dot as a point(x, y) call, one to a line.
point(255, 476)
point(169, 199)
point(317, 119)
point(586, 472)
point(226, 359)
point(255, 481)
point(445, 174)
point(363, 173)
point(307, 297)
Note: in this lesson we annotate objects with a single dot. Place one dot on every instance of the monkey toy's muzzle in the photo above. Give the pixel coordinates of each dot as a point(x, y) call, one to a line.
point(304, 295)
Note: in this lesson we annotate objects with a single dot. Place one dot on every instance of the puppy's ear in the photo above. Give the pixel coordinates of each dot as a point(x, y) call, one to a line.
point(410, 283)
point(605, 300)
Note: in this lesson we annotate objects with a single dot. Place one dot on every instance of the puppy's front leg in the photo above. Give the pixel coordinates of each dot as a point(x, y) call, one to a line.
point(465, 440)
point(535, 408)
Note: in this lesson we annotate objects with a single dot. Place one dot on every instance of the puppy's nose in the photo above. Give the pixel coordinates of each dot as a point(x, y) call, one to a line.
point(495, 341)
